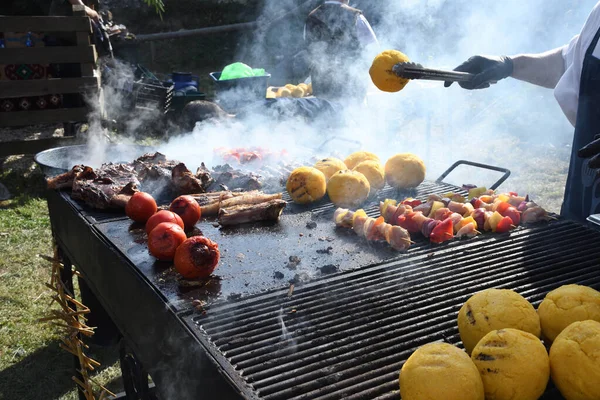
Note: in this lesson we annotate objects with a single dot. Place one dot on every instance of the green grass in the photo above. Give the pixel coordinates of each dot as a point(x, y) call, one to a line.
point(32, 366)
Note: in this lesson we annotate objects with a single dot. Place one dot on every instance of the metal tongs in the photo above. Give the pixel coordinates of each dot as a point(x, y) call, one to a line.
point(410, 70)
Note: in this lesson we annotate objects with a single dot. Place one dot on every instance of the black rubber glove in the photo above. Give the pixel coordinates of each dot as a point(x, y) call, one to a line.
point(591, 150)
point(487, 70)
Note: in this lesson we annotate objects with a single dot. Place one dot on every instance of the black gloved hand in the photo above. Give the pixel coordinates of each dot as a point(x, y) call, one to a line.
point(591, 150)
point(487, 70)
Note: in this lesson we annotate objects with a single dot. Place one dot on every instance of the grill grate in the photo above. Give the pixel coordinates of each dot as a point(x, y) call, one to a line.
point(348, 336)
point(324, 208)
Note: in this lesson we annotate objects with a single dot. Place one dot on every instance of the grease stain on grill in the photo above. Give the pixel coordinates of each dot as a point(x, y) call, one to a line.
point(328, 250)
point(311, 225)
point(278, 275)
point(293, 262)
point(329, 269)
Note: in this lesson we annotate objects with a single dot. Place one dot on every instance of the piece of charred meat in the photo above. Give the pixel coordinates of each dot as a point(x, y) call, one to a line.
point(241, 214)
point(233, 179)
point(185, 181)
point(65, 181)
point(248, 198)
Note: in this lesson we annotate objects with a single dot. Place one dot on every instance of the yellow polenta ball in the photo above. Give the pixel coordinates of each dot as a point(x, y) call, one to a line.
point(357, 157)
point(373, 171)
point(404, 170)
point(381, 71)
point(575, 361)
point(306, 185)
point(513, 364)
point(440, 371)
point(348, 189)
point(330, 166)
point(494, 309)
point(565, 305)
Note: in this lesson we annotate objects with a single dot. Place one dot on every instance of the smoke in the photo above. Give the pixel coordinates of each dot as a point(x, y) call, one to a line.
point(512, 124)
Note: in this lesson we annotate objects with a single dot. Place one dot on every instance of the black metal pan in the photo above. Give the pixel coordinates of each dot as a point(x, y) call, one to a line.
point(62, 159)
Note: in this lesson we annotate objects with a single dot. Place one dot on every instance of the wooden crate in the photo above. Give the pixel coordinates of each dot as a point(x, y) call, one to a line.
point(88, 83)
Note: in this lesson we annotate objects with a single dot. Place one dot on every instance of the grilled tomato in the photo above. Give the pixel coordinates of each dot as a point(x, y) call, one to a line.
point(163, 216)
point(197, 257)
point(164, 240)
point(140, 207)
point(188, 209)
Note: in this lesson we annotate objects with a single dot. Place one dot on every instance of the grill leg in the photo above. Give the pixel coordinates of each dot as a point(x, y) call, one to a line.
point(135, 377)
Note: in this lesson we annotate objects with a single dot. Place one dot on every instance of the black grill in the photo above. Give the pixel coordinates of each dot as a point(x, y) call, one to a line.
point(350, 334)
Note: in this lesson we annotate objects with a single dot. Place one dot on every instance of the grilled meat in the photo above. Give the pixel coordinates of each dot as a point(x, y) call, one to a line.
point(248, 198)
point(227, 176)
point(184, 181)
point(64, 181)
point(244, 213)
point(107, 186)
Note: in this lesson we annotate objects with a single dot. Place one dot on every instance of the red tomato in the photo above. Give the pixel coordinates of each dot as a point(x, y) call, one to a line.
point(140, 207)
point(197, 257)
point(163, 216)
point(164, 240)
point(188, 209)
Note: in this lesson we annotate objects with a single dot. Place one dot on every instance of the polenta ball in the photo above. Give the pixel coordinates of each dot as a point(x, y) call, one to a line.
point(404, 170)
point(348, 189)
point(575, 361)
point(330, 166)
point(440, 371)
point(374, 173)
point(565, 305)
point(357, 157)
point(494, 309)
point(381, 71)
point(306, 185)
point(513, 365)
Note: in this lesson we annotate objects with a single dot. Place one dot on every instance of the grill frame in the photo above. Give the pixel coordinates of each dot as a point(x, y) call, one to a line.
point(83, 236)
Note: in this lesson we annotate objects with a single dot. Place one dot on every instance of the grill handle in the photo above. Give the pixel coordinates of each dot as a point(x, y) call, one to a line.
point(478, 165)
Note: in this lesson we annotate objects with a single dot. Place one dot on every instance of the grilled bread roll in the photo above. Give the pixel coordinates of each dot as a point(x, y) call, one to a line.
point(404, 170)
point(306, 185)
point(357, 157)
point(440, 371)
point(494, 309)
point(373, 171)
point(348, 189)
point(329, 166)
point(565, 305)
point(575, 361)
point(513, 364)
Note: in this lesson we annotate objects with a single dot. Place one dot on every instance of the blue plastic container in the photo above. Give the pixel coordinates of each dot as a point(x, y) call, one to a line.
point(183, 80)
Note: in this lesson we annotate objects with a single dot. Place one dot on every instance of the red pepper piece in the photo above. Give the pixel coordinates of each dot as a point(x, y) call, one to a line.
point(502, 206)
point(412, 202)
point(504, 225)
point(443, 232)
point(513, 214)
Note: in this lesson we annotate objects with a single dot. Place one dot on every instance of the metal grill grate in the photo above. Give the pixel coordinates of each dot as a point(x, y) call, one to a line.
point(348, 336)
point(325, 207)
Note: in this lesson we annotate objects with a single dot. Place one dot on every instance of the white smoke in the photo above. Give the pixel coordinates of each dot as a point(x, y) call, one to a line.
point(507, 125)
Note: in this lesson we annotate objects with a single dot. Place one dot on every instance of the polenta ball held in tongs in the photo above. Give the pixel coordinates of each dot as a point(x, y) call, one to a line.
point(391, 70)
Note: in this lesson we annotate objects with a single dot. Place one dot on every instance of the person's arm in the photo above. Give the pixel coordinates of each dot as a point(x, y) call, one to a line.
point(364, 32)
point(543, 69)
point(90, 13)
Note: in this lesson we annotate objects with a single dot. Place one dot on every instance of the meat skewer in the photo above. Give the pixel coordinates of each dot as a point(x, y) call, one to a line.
point(373, 229)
